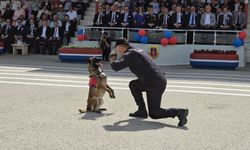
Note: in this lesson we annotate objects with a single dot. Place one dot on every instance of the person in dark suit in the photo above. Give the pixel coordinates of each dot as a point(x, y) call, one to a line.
point(164, 19)
point(19, 35)
point(8, 35)
point(151, 19)
point(178, 19)
point(151, 79)
point(98, 18)
point(239, 19)
point(55, 39)
point(193, 19)
point(67, 28)
point(31, 31)
point(225, 20)
point(42, 38)
point(193, 22)
point(126, 19)
point(113, 20)
point(107, 15)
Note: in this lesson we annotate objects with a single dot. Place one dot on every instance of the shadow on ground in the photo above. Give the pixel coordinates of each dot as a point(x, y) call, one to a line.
point(94, 116)
point(137, 124)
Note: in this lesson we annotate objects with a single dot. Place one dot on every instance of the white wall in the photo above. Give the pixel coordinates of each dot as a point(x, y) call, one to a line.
point(178, 54)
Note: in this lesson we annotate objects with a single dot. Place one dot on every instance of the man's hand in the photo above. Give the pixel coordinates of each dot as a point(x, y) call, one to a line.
point(112, 57)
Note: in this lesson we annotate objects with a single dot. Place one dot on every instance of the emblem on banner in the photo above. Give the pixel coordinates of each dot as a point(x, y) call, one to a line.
point(153, 51)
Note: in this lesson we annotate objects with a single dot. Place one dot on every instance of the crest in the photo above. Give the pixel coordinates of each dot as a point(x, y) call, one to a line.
point(153, 51)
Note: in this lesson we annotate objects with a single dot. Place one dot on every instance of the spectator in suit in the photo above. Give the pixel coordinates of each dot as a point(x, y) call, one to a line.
point(151, 19)
point(164, 19)
point(67, 28)
point(31, 31)
point(107, 15)
point(126, 18)
point(43, 37)
point(8, 35)
point(56, 38)
point(208, 20)
point(218, 14)
point(8, 13)
point(225, 20)
point(178, 20)
point(99, 17)
point(114, 16)
point(20, 32)
point(140, 18)
point(193, 19)
point(239, 19)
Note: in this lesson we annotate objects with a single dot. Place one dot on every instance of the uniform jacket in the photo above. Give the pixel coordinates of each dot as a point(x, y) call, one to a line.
point(140, 63)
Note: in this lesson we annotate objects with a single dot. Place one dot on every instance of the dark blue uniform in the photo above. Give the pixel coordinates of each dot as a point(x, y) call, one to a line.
point(150, 79)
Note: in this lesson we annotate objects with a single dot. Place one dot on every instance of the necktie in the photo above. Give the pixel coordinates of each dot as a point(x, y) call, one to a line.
point(31, 29)
point(225, 19)
point(113, 14)
point(193, 19)
point(6, 31)
point(55, 32)
point(126, 18)
point(238, 19)
point(164, 19)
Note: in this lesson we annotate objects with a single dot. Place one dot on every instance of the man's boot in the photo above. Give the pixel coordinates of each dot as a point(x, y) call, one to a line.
point(139, 113)
point(182, 116)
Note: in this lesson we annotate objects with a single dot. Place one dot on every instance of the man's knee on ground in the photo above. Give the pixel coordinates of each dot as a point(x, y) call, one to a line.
point(155, 114)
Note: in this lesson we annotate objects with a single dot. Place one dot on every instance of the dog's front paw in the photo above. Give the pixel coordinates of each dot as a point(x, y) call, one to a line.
point(112, 96)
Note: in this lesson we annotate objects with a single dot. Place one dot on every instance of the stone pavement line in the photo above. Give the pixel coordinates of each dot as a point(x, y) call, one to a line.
point(29, 76)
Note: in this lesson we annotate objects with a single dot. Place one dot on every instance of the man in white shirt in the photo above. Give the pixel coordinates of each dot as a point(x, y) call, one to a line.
point(72, 14)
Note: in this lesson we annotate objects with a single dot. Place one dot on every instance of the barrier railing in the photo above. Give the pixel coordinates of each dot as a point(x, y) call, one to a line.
point(209, 37)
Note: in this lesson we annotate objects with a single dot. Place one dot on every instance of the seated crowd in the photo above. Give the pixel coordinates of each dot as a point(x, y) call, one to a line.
point(45, 28)
point(172, 14)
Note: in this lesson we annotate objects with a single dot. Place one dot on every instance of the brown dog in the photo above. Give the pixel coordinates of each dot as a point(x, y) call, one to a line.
point(97, 86)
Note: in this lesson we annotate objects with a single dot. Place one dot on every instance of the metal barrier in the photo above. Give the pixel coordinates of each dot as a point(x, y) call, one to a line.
point(209, 37)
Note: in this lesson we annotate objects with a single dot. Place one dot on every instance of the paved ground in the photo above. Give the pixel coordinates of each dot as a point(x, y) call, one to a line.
point(40, 97)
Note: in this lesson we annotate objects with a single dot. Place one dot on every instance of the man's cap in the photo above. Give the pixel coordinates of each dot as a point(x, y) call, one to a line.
point(121, 41)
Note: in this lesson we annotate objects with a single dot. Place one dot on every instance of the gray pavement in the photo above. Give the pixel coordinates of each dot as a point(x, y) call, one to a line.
point(40, 97)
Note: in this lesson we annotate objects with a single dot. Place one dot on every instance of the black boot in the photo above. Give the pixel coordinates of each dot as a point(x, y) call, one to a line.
point(182, 116)
point(139, 113)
